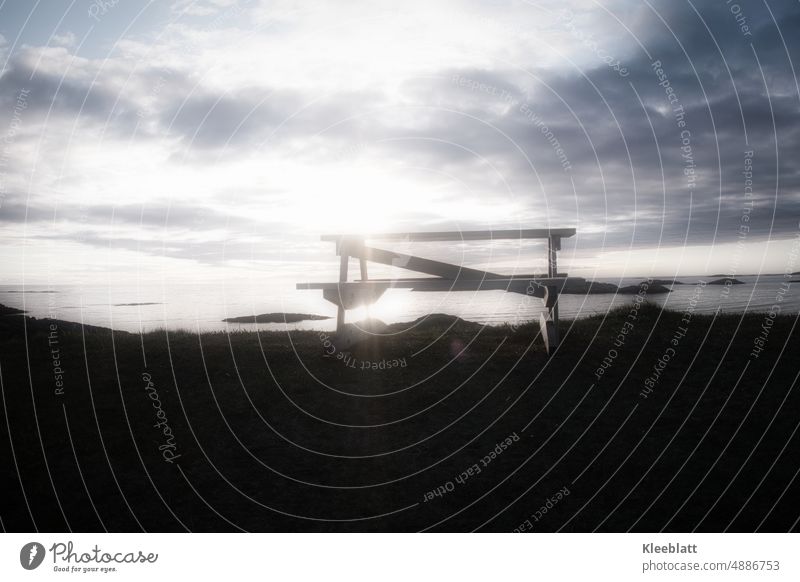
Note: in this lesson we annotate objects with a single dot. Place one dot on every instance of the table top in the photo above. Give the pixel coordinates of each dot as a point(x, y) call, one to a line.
point(463, 235)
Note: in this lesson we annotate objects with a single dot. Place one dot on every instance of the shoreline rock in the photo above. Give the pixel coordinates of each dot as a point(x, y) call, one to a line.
point(652, 289)
point(4, 310)
point(275, 318)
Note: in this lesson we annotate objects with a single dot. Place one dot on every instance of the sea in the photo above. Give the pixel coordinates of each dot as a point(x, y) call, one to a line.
point(202, 307)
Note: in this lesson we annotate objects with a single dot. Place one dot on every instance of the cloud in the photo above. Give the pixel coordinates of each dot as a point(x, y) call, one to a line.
point(201, 7)
point(66, 39)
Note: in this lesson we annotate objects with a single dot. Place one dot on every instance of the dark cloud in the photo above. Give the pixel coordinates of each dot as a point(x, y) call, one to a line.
point(149, 216)
point(56, 91)
point(619, 147)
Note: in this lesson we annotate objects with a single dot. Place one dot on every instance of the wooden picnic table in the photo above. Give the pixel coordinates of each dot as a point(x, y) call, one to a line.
point(442, 276)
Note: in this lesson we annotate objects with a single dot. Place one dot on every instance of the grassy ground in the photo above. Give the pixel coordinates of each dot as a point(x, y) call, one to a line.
point(267, 432)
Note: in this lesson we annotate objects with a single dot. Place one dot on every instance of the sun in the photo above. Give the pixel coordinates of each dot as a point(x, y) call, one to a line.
point(347, 200)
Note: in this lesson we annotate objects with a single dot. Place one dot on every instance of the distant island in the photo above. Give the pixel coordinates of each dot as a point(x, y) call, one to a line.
point(275, 318)
point(597, 288)
point(726, 281)
point(651, 289)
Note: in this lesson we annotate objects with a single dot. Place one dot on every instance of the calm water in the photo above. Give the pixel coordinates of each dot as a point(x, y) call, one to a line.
point(203, 306)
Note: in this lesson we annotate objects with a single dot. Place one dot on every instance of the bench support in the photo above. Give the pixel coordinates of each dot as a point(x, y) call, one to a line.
point(344, 261)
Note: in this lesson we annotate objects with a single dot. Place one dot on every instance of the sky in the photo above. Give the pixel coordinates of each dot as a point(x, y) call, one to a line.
point(216, 140)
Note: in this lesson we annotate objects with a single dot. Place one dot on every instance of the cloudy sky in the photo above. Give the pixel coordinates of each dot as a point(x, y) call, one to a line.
point(216, 139)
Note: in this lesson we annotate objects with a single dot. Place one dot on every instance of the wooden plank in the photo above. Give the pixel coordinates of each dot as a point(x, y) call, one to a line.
point(343, 264)
point(374, 288)
point(508, 285)
point(410, 283)
point(418, 264)
point(539, 278)
point(466, 235)
point(553, 244)
point(550, 296)
point(549, 333)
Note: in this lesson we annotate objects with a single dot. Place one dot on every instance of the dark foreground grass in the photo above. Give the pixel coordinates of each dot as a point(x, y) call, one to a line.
point(267, 433)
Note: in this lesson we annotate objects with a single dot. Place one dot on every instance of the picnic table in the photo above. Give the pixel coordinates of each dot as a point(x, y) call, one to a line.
point(442, 277)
